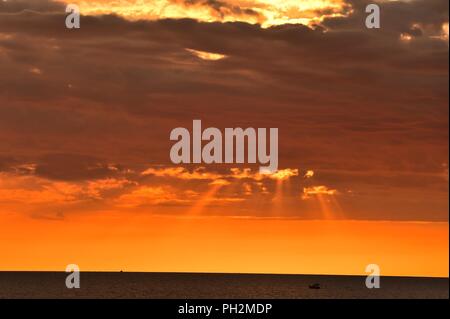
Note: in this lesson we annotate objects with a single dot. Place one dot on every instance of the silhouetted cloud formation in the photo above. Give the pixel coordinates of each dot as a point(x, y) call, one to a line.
point(364, 109)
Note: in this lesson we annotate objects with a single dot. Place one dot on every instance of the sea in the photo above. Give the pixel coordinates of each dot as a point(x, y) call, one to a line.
point(127, 285)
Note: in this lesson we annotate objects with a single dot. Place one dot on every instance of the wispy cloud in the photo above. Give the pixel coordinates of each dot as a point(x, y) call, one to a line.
point(208, 56)
point(318, 190)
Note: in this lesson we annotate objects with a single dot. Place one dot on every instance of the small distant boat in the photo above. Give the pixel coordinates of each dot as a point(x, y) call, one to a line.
point(314, 286)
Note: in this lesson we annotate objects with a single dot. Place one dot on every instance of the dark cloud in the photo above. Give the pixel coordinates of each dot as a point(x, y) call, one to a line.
point(349, 100)
point(17, 6)
point(396, 16)
point(74, 167)
point(6, 162)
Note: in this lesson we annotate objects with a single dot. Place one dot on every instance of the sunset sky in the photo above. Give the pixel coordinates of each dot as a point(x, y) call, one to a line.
point(86, 114)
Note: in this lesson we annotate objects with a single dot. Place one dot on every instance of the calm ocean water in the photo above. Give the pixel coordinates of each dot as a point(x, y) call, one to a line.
point(183, 286)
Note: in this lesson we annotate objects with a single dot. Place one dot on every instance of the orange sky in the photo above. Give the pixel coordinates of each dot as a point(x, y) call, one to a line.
point(241, 222)
point(86, 115)
point(137, 242)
